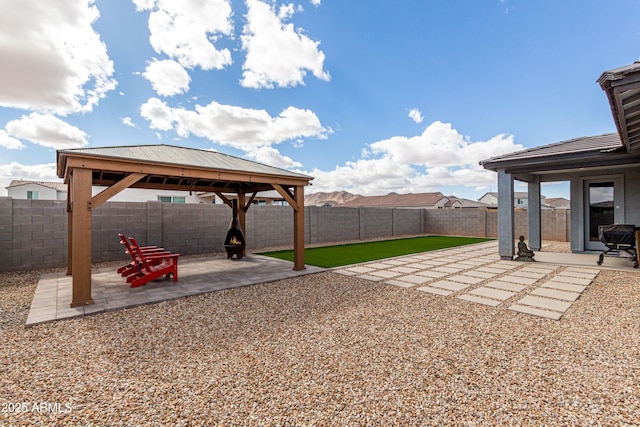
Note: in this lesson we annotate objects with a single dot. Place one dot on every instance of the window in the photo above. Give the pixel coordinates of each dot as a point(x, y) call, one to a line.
point(32, 195)
point(172, 199)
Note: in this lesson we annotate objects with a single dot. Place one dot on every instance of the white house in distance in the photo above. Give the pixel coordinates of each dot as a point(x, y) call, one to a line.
point(42, 190)
point(37, 190)
point(520, 199)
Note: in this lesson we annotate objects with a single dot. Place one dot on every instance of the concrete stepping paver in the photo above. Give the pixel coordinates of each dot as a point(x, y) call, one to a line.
point(518, 280)
point(480, 274)
point(583, 270)
point(491, 270)
point(529, 274)
point(346, 272)
point(506, 286)
point(405, 270)
point(449, 270)
point(564, 286)
point(555, 293)
point(463, 278)
point(396, 262)
point(415, 280)
point(426, 264)
point(448, 259)
point(360, 269)
point(573, 280)
point(578, 274)
point(492, 293)
point(547, 303)
point(437, 291)
point(400, 283)
point(386, 274)
point(379, 265)
point(480, 300)
point(452, 286)
point(536, 312)
point(370, 277)
point(431, 273)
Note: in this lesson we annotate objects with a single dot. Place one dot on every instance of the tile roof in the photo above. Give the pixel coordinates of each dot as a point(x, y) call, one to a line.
point(397, 200)
point(58, 186)
point(600, 143)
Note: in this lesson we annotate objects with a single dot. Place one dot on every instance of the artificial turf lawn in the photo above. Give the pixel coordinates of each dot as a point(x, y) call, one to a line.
point(354, 253)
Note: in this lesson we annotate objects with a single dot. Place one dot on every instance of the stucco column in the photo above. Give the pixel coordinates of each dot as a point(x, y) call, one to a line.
point(506, 223)
point(534, 213)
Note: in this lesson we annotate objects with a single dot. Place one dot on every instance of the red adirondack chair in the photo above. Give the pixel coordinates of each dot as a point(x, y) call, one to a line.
point(152, 265)
point(132, 267)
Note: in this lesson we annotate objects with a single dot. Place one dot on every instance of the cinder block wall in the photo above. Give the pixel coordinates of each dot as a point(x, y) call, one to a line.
point(331, 224)
point(33, 233)
point(458, 222)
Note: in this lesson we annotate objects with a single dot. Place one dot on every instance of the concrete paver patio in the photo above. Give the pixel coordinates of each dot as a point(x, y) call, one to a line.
point(196, 276)
point(473, 273)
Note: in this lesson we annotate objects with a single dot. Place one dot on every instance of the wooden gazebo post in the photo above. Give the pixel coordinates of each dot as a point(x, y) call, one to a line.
point(298, 228)
point(80, 236)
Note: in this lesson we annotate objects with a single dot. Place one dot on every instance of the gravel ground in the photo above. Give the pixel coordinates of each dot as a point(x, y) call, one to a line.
point(324, 349)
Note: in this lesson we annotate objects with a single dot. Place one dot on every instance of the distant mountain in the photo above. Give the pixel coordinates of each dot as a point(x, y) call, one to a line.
point(333, 198)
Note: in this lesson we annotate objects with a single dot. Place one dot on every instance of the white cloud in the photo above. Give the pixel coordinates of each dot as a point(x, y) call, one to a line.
point(128, 122)
point(416, 115)
point(48, 131)
point(441, 145)
point(242, 128)
point(277, 53)
point(9, 142)
point(271, 156)
point(11, 171)
point(315, 2)
point(52, 59)
point(187, 30)
point(167, 77)
point(439, 157)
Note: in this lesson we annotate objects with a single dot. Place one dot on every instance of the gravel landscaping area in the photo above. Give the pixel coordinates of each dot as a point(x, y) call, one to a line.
point(324, 349)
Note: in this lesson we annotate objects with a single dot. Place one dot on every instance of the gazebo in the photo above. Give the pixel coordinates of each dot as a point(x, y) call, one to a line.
point(170, 168)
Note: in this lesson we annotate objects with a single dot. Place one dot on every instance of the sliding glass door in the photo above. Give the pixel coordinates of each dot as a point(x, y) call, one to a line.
point(602, 207)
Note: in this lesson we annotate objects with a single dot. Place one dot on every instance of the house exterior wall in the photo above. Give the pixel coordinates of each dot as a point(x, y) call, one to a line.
point(44, 193)
point(147, 195)
point(630, 203)
point(33, 233)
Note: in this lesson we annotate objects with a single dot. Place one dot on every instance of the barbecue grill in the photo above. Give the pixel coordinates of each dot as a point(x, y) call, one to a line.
point(620, 238)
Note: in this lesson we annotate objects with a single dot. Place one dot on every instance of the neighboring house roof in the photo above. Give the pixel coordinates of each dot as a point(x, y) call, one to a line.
point(464, 203)
point(558, 202)
point(398, 200)
point(516, 194)
point(58, 186)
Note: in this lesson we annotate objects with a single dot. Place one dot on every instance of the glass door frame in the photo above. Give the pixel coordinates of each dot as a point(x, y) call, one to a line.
point(618, 207)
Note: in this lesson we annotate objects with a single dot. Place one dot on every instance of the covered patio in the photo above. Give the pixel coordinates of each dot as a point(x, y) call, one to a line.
point(603, 172)
point(163, 167)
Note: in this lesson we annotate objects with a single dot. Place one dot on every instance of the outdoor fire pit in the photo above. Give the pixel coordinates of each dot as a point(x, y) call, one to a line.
point(234, 244)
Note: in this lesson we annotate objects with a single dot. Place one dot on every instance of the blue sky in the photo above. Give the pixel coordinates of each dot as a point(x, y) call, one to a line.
point(366, 96)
